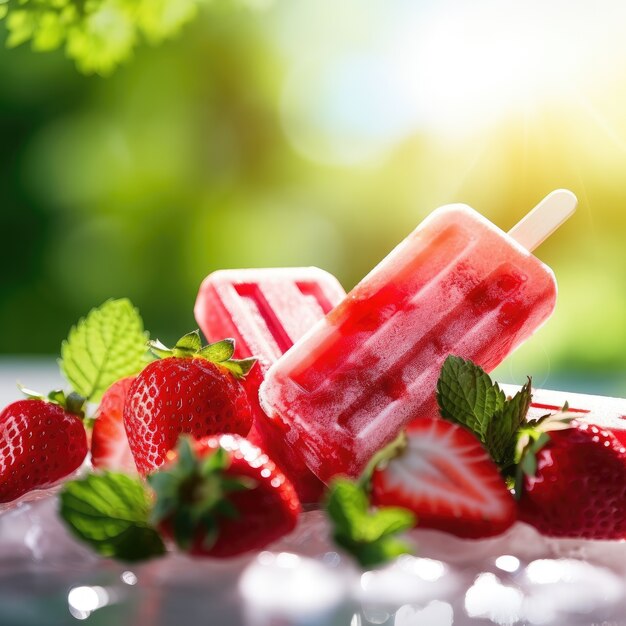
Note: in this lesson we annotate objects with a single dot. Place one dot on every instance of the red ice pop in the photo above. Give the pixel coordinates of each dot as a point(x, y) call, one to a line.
point(266, 311)
point(456, 285)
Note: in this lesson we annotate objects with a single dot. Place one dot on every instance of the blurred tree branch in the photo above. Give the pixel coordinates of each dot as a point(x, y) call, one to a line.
point(98, 35)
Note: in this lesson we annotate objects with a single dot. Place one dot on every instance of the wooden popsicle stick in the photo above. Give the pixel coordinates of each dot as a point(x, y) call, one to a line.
point(544, 219)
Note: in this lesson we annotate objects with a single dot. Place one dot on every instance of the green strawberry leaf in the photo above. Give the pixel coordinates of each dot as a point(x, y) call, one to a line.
point(503, 427)
point(193, 493)
point(106, 345)
point(189, 343)
point(467, 395)
point(72, 402)
point(110, 512)
point(527, 461)
point(369, 535)
point(219, 351)
point(239, 367)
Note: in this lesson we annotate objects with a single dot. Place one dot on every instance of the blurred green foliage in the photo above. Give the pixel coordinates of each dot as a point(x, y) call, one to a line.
point(97, 34)
point(181, 162)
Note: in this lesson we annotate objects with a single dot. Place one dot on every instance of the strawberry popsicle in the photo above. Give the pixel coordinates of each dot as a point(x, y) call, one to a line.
point(266, 311)
point(456, 285)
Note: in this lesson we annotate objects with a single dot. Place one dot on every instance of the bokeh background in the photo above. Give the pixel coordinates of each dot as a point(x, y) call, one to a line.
point(299, 132)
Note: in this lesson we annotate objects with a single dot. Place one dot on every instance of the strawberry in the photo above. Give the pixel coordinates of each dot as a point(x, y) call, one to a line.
point(575, 486)
point(222, 496)
point(41, 442)
point(191, 390)
point(447, 479)
point(109, 442)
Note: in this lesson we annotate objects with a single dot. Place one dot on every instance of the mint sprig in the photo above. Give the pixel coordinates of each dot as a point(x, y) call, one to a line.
point(503, 428)
point(110, 512)
point(106, 345)
point(467, 396)
point(369, 535)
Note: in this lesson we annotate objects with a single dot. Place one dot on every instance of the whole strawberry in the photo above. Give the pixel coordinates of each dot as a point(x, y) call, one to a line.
point(109, 442)
point(574, 483)
point(192, 390)
point(41, 442)
point(222, 496)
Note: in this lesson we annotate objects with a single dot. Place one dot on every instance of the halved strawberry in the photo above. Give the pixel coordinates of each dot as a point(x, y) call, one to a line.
point(447, 479)
point(109, 441)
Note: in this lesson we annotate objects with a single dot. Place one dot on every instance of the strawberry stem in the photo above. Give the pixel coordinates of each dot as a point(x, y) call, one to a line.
point(220, 352)
point(72, 403)
point(382, 457)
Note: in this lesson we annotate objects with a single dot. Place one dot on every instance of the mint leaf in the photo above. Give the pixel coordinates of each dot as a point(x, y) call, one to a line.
point(368, 535)
point(110, 512)
point(467, 395)
point(503, 427)
point(103, 347)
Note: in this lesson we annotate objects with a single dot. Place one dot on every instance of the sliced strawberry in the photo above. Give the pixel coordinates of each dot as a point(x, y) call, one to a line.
point(109, 442)
point(448, 480)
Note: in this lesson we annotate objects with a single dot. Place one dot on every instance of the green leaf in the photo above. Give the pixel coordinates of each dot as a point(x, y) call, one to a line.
point(369, 535)
point(98, 35)
point(50, 32)
point(375, 553)
point(108, 344)
point(346, 505)
point(160, 19)
point(189, 343)
point(504, 425)
point(103, 38)
point(109, 512)
point(239, 367)
point(219, 351)
point(467, 396)
point(21, 25)
point(527, 463)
